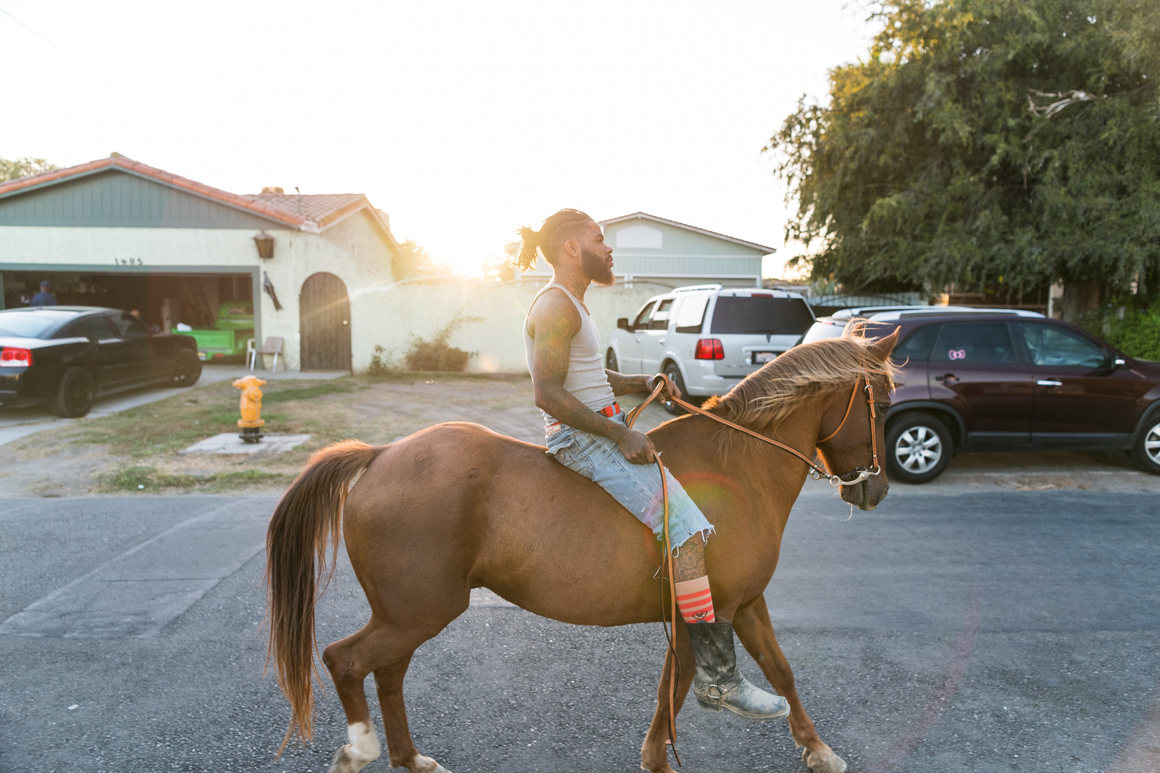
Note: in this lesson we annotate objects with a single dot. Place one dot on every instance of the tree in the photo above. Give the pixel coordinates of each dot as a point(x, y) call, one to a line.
point(986, 144)
point(23, 167)
point(412, 260)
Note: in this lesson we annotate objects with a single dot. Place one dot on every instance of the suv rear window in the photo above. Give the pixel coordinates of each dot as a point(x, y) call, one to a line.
point(761, 314)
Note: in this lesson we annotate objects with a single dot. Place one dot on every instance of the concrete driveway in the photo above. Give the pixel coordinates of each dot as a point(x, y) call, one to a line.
point(16, 423)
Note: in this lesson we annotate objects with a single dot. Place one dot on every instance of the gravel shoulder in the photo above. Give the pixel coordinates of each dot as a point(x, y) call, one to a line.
point(111, 453)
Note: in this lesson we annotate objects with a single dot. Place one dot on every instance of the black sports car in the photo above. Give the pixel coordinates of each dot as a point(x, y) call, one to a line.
point(68, 355)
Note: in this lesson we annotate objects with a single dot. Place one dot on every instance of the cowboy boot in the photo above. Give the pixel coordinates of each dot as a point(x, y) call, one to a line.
point(719, 685)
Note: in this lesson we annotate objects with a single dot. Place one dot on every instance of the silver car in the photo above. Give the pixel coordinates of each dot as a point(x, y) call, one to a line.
point(706, 338)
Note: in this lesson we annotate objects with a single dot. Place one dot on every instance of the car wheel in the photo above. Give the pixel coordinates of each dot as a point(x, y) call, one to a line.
point(674, 375)
point(918, 448)
point(186, 368)
point(1147, 449)
point(610, 361)
point(75, 394)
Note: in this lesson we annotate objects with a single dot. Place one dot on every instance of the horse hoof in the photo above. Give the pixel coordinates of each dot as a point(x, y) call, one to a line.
point(427, 765)
point(344, 762)
point(824, 761)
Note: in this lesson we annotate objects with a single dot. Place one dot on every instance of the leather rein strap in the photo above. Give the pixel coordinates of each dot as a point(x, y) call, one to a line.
point(661, 384)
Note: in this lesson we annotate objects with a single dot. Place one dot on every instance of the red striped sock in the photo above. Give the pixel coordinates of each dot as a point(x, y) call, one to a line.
point(695, 601)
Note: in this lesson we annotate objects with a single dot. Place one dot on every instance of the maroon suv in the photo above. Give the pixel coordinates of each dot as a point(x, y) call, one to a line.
point(977, 380)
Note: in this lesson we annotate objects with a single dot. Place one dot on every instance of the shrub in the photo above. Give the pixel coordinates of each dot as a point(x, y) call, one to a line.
point(425, 354)
point(1131, 324)
point(381, 363)
point(1137, 333)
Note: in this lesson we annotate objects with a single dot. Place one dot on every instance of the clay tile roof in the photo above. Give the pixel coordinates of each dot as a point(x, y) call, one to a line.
point(307, 213)
point(322, 208)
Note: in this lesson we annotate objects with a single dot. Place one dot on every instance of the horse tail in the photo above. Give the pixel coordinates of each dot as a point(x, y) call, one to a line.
point(306, 519)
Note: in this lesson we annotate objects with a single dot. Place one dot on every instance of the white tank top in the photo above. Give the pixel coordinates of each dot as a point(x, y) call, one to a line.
point(586, 380)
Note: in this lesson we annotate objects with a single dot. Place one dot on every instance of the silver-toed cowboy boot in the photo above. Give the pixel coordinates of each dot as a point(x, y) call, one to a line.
point(719, 685)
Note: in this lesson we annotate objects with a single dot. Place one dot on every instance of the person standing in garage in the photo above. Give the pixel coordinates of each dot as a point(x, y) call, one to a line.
point(45, 297)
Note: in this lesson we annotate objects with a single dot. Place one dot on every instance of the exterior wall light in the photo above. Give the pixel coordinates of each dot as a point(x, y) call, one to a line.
point(265, 244)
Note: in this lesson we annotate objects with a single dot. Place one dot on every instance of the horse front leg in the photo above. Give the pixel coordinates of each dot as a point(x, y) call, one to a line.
point(755, 630)
point(654, 754)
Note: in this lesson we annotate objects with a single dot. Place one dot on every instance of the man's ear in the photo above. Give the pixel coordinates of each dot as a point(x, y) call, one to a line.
point(571, 248)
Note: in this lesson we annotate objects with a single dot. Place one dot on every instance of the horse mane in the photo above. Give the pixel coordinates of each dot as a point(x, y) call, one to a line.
point(766, 397)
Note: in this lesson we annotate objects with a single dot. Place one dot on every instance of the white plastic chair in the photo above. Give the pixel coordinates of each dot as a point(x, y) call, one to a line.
point(272, 346)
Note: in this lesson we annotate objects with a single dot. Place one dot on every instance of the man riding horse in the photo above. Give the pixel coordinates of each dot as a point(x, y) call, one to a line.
point(587, 432)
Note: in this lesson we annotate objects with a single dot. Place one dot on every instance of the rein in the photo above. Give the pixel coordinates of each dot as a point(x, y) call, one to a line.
point(817, 470)
point(661, 384)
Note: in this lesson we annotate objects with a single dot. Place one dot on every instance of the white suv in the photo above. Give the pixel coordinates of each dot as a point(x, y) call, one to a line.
point(706, 338)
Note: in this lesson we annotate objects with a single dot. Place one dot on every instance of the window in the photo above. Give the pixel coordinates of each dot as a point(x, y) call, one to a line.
point(641, 321)
point(1057, 346)
point(660, 316)
point(761, 314)
point(23, 324)
point(691, 313)
point(973, 342)
point(130, 327)
point(916, 347)
point(92, 328)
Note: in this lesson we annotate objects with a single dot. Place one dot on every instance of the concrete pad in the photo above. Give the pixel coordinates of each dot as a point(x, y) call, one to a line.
point(230, 443)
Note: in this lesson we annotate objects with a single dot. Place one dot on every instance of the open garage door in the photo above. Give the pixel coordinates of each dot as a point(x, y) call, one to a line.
point(169, 301)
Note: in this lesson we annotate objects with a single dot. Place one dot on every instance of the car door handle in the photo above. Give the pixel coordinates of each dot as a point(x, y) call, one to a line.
point(1049, 382)
point(947, 378)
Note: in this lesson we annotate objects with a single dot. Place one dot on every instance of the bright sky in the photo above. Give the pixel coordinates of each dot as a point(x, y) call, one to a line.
point(461, 120)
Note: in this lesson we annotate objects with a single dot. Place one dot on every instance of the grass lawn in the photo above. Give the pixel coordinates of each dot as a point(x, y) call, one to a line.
point(143, 443)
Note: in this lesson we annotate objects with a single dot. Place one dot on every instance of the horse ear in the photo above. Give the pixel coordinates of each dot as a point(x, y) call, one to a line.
point(884, 346)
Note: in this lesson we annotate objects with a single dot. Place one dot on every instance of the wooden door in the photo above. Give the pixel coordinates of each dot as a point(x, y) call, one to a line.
point(324, 309)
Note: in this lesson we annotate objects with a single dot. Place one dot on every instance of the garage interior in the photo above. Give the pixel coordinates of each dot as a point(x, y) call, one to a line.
point(164, 299)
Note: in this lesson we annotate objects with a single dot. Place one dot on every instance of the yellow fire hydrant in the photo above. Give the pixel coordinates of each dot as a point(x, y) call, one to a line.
point(251, 407)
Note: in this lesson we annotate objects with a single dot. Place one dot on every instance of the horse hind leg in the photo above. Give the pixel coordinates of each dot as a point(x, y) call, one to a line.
point(755, 630)
point(349, 661)
point(389, 681)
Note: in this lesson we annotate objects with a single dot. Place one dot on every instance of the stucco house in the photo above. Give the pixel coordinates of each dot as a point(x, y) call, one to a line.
point(667, 254)
point(116, 232)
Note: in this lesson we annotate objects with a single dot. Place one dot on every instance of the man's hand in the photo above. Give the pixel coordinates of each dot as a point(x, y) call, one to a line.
point(670, 391)
point(636, 447)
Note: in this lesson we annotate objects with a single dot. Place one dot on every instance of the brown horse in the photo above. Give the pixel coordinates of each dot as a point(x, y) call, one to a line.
point(456, 507)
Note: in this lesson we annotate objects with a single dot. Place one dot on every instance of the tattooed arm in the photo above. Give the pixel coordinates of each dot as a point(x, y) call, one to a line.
point(552, 323)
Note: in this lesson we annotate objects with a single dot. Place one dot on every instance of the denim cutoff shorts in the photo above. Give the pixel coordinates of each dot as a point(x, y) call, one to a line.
point(637, 487)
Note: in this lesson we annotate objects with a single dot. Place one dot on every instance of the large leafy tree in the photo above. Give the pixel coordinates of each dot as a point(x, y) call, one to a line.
point(985, 143)
point(12, 169)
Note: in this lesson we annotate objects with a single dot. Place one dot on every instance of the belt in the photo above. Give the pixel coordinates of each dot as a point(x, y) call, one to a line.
point(608, 410)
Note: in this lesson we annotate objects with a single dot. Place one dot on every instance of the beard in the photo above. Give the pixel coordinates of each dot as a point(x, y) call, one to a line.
point(596, 268)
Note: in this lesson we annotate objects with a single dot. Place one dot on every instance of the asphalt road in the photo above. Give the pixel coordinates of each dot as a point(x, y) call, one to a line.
point(946, 631)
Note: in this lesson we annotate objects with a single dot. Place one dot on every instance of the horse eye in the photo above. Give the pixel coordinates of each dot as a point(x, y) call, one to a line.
point(884, 406)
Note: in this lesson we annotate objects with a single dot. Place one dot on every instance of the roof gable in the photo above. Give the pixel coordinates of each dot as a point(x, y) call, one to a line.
point(112, 199)
point(118, 191)
point(642, 231)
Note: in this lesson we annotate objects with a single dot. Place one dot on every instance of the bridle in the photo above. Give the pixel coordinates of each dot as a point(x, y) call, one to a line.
point(860, 474)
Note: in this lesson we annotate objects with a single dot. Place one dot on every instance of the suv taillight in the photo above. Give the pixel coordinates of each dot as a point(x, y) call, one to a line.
point(709, 349)
point(11, 357)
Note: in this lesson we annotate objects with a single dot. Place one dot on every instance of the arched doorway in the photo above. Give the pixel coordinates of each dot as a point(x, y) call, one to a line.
point(324, 319)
